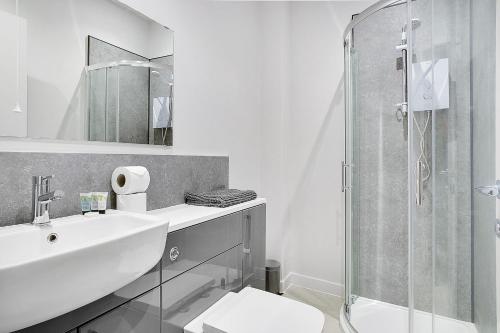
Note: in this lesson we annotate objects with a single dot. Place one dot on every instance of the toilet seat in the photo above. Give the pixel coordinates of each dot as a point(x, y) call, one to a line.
point(252, 310)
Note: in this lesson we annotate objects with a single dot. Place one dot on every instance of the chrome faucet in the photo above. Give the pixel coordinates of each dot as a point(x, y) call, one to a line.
point(42, 197)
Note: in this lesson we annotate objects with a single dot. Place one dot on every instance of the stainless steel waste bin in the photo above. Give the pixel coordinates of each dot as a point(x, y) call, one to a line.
point(273, 276)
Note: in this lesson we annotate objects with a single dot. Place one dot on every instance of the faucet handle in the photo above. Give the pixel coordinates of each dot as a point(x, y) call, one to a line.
point(49, 197)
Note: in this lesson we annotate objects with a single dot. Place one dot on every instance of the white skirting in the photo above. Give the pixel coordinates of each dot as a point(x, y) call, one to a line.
point(369, 316)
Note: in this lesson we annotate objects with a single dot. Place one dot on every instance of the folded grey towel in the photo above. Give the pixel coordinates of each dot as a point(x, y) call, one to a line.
point(219, 198)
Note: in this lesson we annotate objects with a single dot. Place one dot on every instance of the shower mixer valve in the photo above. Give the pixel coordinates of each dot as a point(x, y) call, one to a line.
point(401, 111)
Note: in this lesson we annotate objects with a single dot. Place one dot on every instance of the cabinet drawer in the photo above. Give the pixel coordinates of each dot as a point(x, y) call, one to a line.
point(188, 295)
point(137, 316)
point(190, 247)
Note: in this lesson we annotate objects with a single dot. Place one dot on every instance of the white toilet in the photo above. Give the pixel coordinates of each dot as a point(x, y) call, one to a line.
point(256, 311)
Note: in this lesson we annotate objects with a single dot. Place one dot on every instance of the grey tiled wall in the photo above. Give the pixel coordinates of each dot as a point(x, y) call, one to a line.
point(171, 176)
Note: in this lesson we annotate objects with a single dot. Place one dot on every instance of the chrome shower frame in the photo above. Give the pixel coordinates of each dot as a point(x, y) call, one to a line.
point(126, 63)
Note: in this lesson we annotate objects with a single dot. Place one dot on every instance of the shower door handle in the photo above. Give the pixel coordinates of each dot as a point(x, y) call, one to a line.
point(344, 166)
point(490, 191)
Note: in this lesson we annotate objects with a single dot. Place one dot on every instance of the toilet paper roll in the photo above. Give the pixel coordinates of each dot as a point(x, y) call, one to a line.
point(131, 202)
point(130, 179)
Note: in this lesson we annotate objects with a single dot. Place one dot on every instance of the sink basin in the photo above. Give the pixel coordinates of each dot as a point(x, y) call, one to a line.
point(46, 271)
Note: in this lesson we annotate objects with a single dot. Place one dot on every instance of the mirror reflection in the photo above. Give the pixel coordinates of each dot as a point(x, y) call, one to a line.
point(86, 70)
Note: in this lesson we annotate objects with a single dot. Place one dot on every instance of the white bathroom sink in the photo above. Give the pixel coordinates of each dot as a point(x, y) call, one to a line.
point(92, 256)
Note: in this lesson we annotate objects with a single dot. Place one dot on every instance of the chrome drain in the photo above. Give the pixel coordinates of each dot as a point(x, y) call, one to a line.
point(52, 237)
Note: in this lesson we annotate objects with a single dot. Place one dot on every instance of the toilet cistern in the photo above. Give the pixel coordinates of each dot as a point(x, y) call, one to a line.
point(42, 196)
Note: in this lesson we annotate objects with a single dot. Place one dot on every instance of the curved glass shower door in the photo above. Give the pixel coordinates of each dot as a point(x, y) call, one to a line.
point(112, 117)
point(104, 104)
point(378, 164)
point(413, 239)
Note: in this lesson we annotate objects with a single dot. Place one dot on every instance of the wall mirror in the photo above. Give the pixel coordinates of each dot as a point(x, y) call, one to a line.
point(85, 70)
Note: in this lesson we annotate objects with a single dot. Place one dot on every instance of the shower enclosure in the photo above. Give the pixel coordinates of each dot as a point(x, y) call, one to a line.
point(131, 101)
point(420, 239)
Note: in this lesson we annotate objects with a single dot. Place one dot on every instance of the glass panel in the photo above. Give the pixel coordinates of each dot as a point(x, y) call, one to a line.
point(451, 138)
point(113, 104)
point(118, 108)
point(441, 251)
point(104, 104)
point(352, 229)
point(484, 155)
point(97, 104)
point(419, 34)
point(134, 104)
point(379, 207)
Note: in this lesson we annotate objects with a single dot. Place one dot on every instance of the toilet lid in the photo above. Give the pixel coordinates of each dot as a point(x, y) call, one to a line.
point(252, 310)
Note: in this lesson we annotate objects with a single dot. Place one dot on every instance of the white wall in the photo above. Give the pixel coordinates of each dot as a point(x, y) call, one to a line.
point(317, 143)
point(304, 139)
point(275, 93)
point(217, 80)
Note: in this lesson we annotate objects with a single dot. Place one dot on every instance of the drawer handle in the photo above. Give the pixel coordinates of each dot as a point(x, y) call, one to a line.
point(174, 253)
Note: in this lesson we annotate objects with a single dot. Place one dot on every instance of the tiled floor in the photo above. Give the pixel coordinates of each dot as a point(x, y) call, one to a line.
point(329, 304)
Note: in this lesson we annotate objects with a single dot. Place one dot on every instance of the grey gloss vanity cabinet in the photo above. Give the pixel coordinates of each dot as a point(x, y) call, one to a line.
point(200, 265)
point(189, 294)
point(141, 314)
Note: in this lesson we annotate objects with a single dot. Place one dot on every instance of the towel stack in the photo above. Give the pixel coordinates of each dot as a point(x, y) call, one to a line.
point(219, 198)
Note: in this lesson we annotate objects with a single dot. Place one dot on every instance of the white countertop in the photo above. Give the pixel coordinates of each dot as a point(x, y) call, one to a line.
point(183, 216)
